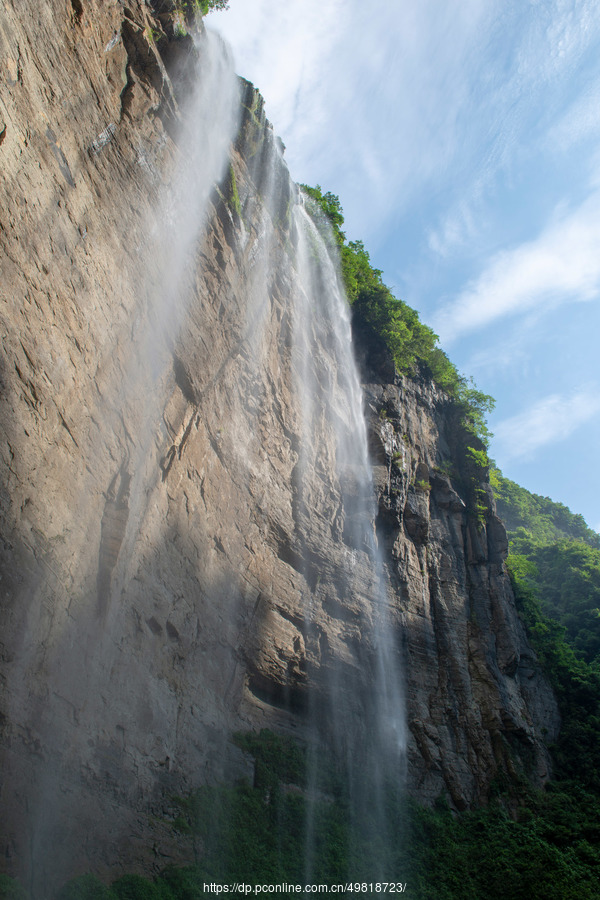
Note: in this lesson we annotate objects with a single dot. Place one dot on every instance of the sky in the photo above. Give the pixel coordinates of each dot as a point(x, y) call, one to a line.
point(463, 140)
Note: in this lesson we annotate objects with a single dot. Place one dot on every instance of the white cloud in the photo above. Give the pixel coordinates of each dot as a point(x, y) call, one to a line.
point(547, 421)
point(562, 264)
point(281, 48)
point(459, 226)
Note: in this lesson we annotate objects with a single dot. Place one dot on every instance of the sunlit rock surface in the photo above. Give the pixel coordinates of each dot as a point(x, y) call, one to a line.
point(156, 565)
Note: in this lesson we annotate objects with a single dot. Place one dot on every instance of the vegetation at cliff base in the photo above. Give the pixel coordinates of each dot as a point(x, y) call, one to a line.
point(10, 889)
point(538, 846)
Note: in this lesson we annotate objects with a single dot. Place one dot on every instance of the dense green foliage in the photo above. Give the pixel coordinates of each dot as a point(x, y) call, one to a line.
point(567, 578)
point(258, 833)
point(549, 850)
point(576, 683)
point(86, 887)
point(542, 517)
point(554, 563)
point(204, 6)
point(563, 563)
point(11, 889)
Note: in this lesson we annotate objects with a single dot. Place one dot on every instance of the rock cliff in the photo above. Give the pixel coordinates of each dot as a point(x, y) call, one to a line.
point(164, 525)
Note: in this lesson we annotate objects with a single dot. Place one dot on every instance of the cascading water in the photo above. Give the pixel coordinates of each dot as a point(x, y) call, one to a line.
point(359, 713)
point(208, 126)
point(188, 527)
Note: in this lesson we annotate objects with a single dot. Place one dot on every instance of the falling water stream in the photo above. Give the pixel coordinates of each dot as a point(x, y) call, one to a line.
point(363, 711)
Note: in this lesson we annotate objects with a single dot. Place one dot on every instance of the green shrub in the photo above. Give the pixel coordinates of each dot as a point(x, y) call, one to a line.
point(184, 883)
point(85, 887)
point(542, 518)
point(134, 887)
point(10, 889)
point(277, 759)
point(423, 486)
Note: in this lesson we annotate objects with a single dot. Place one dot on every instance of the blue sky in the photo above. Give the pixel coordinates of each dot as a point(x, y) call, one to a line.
point(463, 139)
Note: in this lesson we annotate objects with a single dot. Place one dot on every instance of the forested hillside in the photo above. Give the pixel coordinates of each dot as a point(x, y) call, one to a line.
point(541, 517)
point(557, 557)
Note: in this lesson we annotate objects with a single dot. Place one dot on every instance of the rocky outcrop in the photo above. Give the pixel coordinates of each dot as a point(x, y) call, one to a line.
point(477, 703)
point(157, 564)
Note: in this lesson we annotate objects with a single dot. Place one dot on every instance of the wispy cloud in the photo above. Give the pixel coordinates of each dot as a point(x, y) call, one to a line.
point(355, 95)
point(459, 226)
point(513, 353)
point(526, 107)
point(551, 419)
point(579, 121)
point(282, 48)
point(562, 264)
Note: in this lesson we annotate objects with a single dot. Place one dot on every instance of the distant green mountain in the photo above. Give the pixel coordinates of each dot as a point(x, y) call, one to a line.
point(544, 518)
point(554, 563)
point(564, 561)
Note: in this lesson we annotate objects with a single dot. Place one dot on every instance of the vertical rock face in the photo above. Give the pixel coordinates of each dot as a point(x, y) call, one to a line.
point(156, 564)
point(477, 704)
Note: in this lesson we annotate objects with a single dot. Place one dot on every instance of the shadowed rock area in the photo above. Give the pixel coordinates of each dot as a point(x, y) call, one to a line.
point(156, 563)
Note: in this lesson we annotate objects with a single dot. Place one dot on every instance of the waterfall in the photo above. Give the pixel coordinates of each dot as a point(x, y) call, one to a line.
point(207, 128)
point(359, 713)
